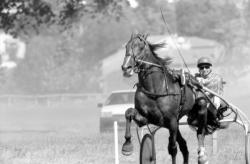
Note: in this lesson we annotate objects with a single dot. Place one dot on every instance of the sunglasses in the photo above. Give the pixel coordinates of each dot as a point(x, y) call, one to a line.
point(204, 67)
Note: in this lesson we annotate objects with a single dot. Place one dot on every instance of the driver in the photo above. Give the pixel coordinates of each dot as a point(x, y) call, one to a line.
point(210, 80)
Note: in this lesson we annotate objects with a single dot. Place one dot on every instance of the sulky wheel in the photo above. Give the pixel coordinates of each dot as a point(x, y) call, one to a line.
point(147, 150)
point(247, 144)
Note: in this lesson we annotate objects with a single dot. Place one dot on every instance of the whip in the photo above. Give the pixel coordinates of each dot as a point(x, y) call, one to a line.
point(178, 50)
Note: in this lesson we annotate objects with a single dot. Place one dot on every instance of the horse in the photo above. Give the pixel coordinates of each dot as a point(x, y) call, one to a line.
point(159, 99)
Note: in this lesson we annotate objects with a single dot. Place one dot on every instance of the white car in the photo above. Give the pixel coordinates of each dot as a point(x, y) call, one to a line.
point(114, 109)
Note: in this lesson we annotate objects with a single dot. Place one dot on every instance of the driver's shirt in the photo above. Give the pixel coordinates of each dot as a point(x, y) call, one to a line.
point(212, 81)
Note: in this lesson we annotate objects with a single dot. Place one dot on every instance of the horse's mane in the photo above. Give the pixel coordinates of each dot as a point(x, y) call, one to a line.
point(163, 61)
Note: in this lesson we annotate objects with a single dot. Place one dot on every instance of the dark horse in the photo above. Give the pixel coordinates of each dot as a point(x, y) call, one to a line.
point(159, 98)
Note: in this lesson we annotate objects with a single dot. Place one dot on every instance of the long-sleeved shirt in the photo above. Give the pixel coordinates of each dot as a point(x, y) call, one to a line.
point(213, 81)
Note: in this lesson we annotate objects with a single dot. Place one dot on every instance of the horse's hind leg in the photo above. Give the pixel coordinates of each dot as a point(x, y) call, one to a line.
point(183, 146)
point(202, 123)
point(131, 114)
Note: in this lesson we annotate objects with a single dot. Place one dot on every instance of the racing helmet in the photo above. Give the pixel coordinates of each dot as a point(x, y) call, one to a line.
point(204, 61)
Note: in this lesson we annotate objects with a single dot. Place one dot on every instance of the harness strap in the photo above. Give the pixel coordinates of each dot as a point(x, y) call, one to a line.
point(154, 95)
point(183, 97)
point(208, 98)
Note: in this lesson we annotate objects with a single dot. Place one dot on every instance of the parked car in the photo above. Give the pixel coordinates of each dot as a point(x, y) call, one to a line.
point(114, 109)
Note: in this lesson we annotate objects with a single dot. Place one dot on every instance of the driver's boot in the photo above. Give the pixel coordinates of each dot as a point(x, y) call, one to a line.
point(220, 115)
point(214, 118)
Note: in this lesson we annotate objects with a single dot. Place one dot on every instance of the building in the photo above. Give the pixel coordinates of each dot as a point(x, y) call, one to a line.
point(11, 50)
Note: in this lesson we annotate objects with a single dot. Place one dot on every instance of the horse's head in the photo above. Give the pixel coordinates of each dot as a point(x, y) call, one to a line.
point(134, 52)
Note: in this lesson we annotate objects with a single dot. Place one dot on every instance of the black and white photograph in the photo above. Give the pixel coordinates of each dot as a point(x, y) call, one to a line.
point(124, 81)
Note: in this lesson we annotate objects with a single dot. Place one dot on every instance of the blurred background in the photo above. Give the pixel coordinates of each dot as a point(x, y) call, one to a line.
point(59, 58)
point(69, 46)
point(70, 52)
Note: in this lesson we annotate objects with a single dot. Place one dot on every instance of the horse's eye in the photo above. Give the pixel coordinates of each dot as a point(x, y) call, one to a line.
point(134, 45)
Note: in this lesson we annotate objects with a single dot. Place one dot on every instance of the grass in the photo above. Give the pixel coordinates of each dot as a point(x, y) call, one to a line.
point(68, 134)
point(230, 147)
point(75, 148)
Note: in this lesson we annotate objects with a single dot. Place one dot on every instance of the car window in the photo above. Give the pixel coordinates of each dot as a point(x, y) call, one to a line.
point(121, 98)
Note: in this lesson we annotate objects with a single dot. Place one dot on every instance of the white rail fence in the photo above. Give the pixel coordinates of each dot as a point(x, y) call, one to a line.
point(50, 99)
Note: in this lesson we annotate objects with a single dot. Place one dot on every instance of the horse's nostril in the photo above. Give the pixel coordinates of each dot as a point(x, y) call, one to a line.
point(126, 68)
point(123, 68)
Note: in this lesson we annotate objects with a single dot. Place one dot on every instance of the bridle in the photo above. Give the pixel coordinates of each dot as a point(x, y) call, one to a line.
point(139, 60)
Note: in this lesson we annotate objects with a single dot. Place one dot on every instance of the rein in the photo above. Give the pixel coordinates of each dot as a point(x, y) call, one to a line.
point(150, 94)
point(139, 60)
point(149, 63)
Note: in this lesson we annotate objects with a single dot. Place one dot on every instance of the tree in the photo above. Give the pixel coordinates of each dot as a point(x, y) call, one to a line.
point(247, 15)
point(226, 21)
point(204, 18)
point(51, 67)
point(149, 17)
point(64, 46)
point(23, 16)
point(65, 49)
point(221, 21)
point(27, 17)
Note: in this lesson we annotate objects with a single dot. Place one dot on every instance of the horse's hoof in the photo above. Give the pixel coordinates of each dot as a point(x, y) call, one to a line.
point(127, 148)
point(203, 160)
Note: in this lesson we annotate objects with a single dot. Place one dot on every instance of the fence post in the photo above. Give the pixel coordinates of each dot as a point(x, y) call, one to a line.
point(116, 142)
point(214, 142)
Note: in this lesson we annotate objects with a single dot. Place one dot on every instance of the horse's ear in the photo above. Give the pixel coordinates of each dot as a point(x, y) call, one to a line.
point(132, 35)
point(136, 32)
point(146, 36)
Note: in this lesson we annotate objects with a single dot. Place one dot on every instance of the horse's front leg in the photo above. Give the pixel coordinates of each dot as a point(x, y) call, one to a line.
point(131, 114)
point(202, 120)
point(172, 146)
